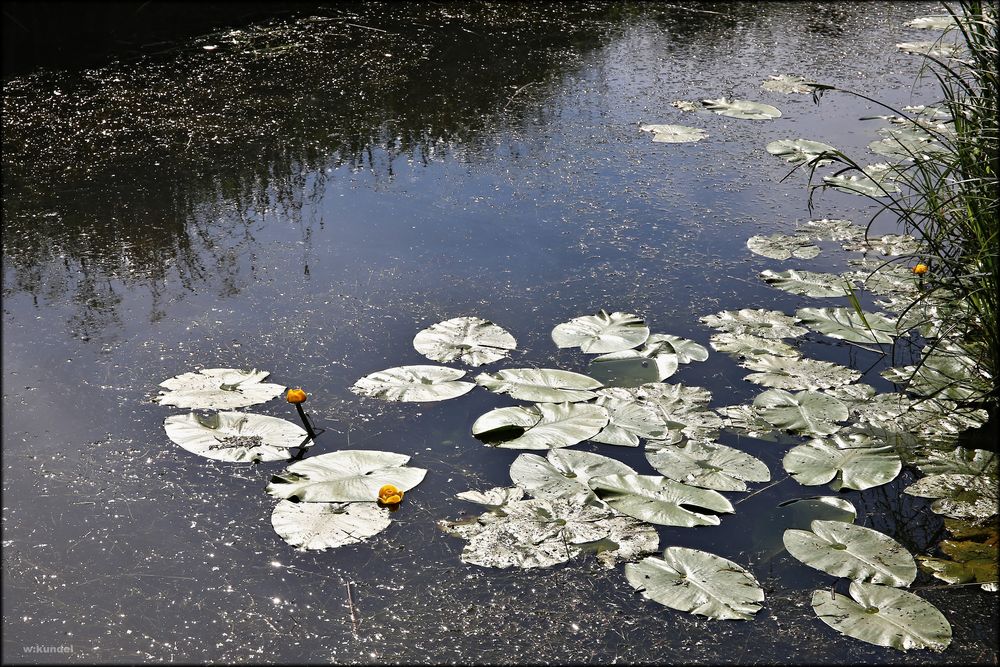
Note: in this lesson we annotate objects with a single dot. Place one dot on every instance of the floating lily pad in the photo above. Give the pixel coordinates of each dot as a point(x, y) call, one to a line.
point(802, 150)
point(348, 475)
point(659, 500)
point(939, 22)
point(742, 109)
point(892, 245)
point(683, 409)
point(630, 417)
point(806, 283)
point(557, 425)
point(797, 513)
point(783, 246)
point(674, 134)
point(602, 332)
point(851, 467)
point(413, 383)
point(236, 436)
point(562, 474)
point(968, 497)
point(747, 345)
point(832, 230)
point(958, 460)
point(631, 371)
point(847, 324)
point(472, 340)
point(967, 561)
point(697, 582)
point(686, 350)
point(797, 373)
point(788, 83)
point(686, 105)
point(806, 412)
point(883, 616)
point(847, 550)
point(706, 464)
point(756, 322)
point(659, 349)
point(927, 48)
point(945, 372)
point(494, 498)
point(218, 389)
point(544, 385)
point(316, 526)
point(541, 532)
point(903, 147)
point(874, 181)
point(745, 419)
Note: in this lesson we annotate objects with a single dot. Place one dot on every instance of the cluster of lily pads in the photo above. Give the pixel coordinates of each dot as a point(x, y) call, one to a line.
point(326, 501)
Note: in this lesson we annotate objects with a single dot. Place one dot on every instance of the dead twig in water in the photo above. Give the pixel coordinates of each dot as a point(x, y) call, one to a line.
point(690, 9)
point(761, 490)
point(354, 618)
point(516, 93)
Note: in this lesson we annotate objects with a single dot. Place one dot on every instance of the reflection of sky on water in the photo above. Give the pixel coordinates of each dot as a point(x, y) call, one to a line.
point(321, 262)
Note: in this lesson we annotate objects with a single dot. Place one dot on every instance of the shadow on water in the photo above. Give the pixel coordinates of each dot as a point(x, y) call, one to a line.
point(303, 195)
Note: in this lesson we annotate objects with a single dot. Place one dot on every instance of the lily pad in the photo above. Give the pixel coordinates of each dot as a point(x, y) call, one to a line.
point(317, 526)
point(557, 425)
point(659, 500)
point(344, 476)
point(683, 409)
point(706, 464)
point(472, 340)
point(806, 283)
point(562, 474)
point(236, 436)
point(218, 389)
point(544, 385)
point(874, 181)
point(630, 417)
point(797, 373)
point(802, 150)
point(967, 561)
point(756, 322)
point(958, 460)
point(893, 245)
point(847, 324)
point(928, 48)
point(797, 513)
point(832, 230)
point(883, 616)
point(938, 22)
point(697, 582)
point(541, 532)
point(742, 109)
point(746, 420)
point(747, 345)
point(602, 332)
point(413, 383)
point(968, 497)
point(494, 498)
point(783, 246)
point(847, 550)
point(805, 412)
point(788, 83)
point(944, 373)
point(851, 467)
point(686, 350)
point(674, 134)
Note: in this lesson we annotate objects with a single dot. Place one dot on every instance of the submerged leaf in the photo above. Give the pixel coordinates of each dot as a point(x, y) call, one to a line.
point(236, 436)
point(218, 389)
point(846, 550)
point(783, 246)
point(327, 525)
point(472, 340)
point(674, 134)
point(697, 582)
point(558, 425)
point(883, 616)
point(348, 475)
point(602, 332)
point(413, 383)
point(659, 500)
point(544, 385)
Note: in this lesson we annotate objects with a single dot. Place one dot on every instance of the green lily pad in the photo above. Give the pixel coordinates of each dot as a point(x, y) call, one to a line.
point(557, 425)
point(938, 22)
point(968, 497)
point(958, 460)
point(602, 333)
point(218, 389)
point(783, 246)
point(756, 322)
point(472, 340)
point(967, 561)
point(806, 283)
point(683, 409)
point(832, 230)
point(788, 83)
point(928, 48)
point(846, 324)
point(742, 109)
point(630, 417)
point(847, 550)
point(892, 245)
point(664, 350)
point(562, 474)
point(542, 532)
point(883, 616)
point(542, 385)
point(838, 460)
point(706, 464)
point(747, 345)
point(318, 526)
point(674, 134)
point(801, 150)
point(805, 412)
point(874, 181)
point(797, 373)
point(413, 383)
point(236, 436)
point(494, 498)
point(345, 476)
point(797, 513)
point(697, 582)
point(745, 419)
point(659, 500)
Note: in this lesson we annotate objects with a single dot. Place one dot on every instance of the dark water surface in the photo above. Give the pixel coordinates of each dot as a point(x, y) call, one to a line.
point(303, 197)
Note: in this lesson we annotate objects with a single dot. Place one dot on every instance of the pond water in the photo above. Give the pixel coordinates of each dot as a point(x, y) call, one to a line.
point(304, 195)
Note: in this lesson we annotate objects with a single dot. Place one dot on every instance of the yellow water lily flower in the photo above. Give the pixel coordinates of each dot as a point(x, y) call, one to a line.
point(390, 495)
point(296, 396)
point(921, 269)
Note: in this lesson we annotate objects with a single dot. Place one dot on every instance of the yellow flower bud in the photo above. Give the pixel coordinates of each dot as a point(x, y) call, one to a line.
point(296, 396)
point(921, 269)
point(390, 495)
